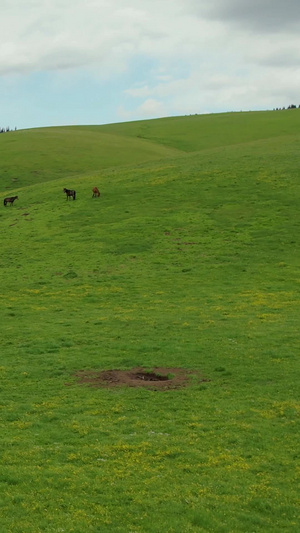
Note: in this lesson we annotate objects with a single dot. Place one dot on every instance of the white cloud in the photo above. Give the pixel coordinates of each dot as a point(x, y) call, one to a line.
point(175, 56)
point(67, 34)
point(149, 108)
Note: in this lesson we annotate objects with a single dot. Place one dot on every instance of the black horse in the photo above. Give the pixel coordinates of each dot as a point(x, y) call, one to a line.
point(70, 193)
point(10, 200)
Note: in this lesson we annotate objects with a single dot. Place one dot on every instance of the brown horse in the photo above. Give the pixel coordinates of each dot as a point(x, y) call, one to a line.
point(10, 200)
point(96, 192)
point(70, 193)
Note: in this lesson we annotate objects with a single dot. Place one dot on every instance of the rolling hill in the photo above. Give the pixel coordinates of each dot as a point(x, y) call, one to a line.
point(40, 155)
point(189, 260)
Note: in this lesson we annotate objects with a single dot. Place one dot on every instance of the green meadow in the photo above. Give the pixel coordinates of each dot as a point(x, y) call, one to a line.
point(189, 259)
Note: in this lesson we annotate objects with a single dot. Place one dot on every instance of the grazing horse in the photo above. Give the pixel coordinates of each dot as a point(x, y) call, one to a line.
point(96, 192)
point(10, 200)
point(70, 193)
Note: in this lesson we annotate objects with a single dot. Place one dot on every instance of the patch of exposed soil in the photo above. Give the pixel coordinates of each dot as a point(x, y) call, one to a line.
point(157, 378)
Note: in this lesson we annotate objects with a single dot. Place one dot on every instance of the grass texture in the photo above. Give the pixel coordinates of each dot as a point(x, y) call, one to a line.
point(190, 258)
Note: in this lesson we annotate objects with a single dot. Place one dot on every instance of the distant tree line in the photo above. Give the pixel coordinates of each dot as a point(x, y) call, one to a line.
point(5, 130)
point(292, 106)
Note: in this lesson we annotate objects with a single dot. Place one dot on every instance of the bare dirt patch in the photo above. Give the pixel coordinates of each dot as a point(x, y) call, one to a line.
point(156, 378)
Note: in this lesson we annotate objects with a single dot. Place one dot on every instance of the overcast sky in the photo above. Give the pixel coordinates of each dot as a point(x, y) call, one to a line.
point(101, 61)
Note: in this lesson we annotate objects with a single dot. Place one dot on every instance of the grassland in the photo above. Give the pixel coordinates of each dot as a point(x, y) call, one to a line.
point(189, 259)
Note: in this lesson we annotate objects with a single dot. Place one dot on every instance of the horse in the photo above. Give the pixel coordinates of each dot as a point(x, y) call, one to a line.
point(96, 192)
point(70, 193)
point(10, 200)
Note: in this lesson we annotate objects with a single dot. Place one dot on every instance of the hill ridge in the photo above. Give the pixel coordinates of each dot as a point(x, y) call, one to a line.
point(45, 154)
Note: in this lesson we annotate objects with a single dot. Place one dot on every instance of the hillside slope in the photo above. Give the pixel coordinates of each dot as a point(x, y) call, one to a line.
point(187, 261)
point(201, 132)
point(40, 155)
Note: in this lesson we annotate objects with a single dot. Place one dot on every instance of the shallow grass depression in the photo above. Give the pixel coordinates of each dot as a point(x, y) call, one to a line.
point(155, 379)
point(149, 337)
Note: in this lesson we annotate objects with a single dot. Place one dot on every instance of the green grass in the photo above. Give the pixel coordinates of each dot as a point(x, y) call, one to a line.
point(189, 259)
point(42, 155)
point(201, 132)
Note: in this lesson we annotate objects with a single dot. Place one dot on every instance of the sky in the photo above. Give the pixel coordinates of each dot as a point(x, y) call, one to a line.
point(72, 62)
